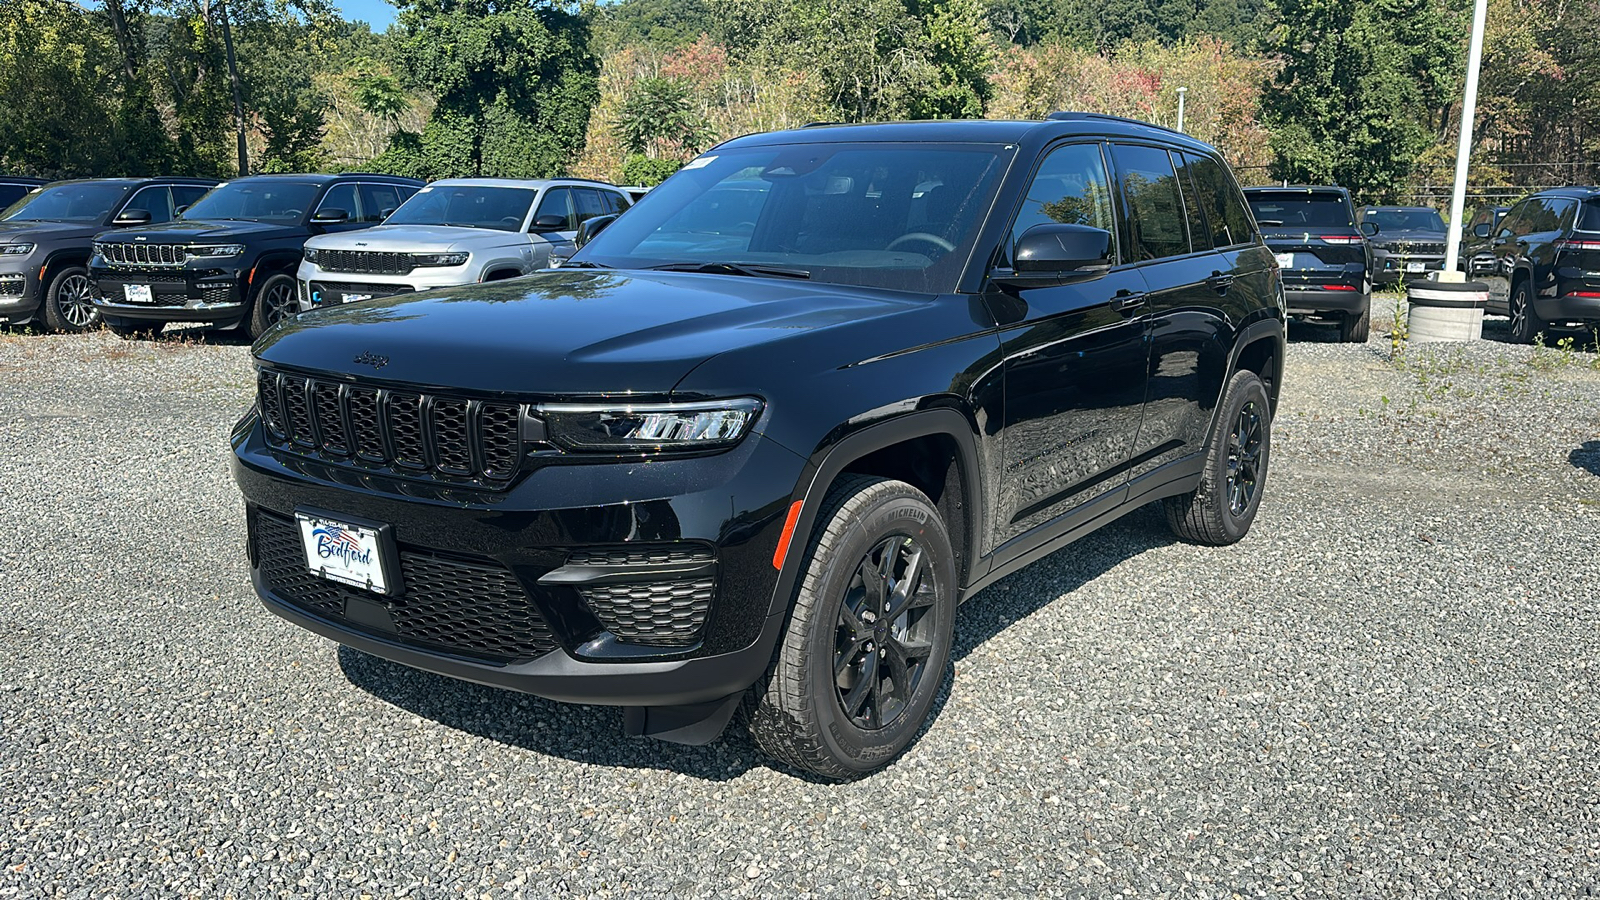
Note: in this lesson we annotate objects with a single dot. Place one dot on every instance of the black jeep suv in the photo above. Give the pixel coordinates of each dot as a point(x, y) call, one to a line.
point(1545, 270)
point(45, 240)
point(763, 449)
point(1409, 244)
point(1326, 262)
point(230, 258)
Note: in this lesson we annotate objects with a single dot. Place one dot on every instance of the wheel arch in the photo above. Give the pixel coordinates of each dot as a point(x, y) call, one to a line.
point(55, 259)
point(934, 450)
point(500, 272)
point(1260, 348)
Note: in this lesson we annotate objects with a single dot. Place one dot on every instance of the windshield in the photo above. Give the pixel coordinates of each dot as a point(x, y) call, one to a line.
point(256, 201)
point(901, 216)
point(501, 208)
point(81, 202)
point(1404, 219)
point(1301, 210)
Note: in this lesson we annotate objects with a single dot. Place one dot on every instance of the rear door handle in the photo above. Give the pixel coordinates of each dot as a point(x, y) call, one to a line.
point(1126, 301)
point(1220, 282)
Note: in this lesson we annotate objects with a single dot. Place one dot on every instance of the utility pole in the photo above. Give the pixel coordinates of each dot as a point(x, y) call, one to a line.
point(233, 77)
point(1181, 92)
point(1469, 111)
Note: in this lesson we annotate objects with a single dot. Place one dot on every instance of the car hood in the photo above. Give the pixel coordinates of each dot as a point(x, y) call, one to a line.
point(567, 333)
point(189, 231)
point(402, 238)
point(17, 232)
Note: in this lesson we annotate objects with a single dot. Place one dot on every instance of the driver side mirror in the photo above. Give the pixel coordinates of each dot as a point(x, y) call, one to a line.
point(1054, 253)
point(1481, 229)
point(550, 222)
point(330, 216)
point(132, 217)
point(588, 228)
point(1369, 228)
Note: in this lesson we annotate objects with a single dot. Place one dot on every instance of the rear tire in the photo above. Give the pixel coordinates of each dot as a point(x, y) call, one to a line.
point(65, 305)
point(865, 652)
point(1526, 326)
point(275, 301)
point(1354, 327)
point(1220, 510)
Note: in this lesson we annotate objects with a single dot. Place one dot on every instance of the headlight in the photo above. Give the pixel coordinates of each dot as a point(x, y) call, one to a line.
point(311, 254)
point(15, 249)
point(439, 259)
point(650, 426)
point(214, 251)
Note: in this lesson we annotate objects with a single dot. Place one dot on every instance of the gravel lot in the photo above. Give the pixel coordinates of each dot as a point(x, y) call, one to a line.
point(1387, 690)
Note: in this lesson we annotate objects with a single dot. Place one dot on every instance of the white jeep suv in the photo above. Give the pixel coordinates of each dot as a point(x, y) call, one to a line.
point(454, 231)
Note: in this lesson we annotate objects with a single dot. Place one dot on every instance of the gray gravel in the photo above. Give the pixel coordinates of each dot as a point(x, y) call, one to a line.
point(1387, 690)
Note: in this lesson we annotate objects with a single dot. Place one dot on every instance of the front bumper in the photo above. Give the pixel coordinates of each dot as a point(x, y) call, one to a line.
point(181, 295)
point(526, 539)
point(1396, 267)
point(319, 288)
point(19, 292)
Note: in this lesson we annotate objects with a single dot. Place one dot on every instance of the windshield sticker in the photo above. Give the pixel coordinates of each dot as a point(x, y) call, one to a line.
point(699, 162)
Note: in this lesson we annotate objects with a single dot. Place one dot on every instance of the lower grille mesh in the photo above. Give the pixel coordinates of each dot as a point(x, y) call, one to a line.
point(464, 608)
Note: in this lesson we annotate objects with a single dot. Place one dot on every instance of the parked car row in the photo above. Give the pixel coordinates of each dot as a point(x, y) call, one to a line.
point(138, 253)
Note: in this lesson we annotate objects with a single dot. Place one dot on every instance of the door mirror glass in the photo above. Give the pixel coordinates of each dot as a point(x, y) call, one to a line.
point(549, 222)
point(330, 216)
point(1369, 228)
point(1481, 229)
point(591, 227)
point(132, 217)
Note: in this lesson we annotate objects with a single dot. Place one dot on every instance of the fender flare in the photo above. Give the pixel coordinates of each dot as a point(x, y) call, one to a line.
point(828, 461)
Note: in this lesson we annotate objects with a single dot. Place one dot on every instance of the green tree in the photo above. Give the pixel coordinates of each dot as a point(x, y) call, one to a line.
point(1363, 89)
point(656, 111)
point(514, 82)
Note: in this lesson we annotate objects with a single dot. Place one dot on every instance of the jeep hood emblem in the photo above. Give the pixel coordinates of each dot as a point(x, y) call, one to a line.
point(373, 360)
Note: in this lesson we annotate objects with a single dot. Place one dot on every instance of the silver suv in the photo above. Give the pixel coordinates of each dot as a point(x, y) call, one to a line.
point(453, 232)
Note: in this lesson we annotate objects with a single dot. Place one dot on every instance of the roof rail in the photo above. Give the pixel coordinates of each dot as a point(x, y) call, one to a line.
point(819, 124)
point(1073, 116)
point(576, 178)
point(377, 175)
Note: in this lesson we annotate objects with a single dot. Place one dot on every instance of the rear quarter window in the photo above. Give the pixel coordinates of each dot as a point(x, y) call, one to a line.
point(1589, 215)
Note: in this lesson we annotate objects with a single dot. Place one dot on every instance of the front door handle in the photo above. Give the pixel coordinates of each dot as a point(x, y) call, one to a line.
point(1126, 301)
point(1220, 282)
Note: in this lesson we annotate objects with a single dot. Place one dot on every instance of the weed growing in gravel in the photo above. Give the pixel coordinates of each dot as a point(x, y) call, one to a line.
point(1401, 329)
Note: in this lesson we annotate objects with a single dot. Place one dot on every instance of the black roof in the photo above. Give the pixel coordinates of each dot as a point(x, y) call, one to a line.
point(325, 177)
point(973, 131)
point(141, 179)
point(1577, 191)
point(22, 179)
point(1295, 189)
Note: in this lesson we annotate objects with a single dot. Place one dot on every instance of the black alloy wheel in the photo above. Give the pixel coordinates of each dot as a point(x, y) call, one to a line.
point(275, 301)
point(884, 634)
point(68, 301)
point(1244, 458)
point(1525, 322)
point(1221, 508)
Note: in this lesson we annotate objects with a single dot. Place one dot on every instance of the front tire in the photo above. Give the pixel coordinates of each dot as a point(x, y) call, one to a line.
point(1220, 510)
point(869, 637)
point(275, 301)
point(1526, 325)
point(66, 304)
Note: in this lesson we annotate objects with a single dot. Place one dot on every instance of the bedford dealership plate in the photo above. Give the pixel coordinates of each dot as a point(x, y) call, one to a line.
point(1285, 260)
point(348, 554)
point(138, 293)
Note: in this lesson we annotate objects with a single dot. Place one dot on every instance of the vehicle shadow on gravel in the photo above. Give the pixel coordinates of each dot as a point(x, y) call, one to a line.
point(1586, 457)
point(593, 734)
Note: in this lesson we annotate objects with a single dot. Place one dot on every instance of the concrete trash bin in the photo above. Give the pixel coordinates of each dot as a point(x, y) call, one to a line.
point(1444, 311)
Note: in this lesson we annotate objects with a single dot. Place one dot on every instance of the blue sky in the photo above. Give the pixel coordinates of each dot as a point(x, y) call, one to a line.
point(377, 13)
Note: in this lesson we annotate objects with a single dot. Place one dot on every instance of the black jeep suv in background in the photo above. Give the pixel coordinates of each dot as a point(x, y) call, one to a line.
point(230, 258)
point(45, 240)
point(1326, 262)
point(1545, 266)
point(1410, 242)
point(763, 449)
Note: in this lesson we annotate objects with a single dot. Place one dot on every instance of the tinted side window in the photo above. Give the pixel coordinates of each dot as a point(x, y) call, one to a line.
point(11, 193)
point(378, 200)
point(1071, 188)
point(1199, 232)
point(615, 203)
point(1589, 217)
point(1516, 223)
point(1553, 214)
point(589, 203)
point(557, 202)
point(1150, 194)
point(1224, 206)
point(155, 199)
point(341, 196)
point(186, 195)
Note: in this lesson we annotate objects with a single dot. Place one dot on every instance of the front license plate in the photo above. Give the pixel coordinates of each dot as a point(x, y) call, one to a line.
point(138, 293)
point(339, 551)
point(354, 298)
point(1416, 267)
point(1285, 260)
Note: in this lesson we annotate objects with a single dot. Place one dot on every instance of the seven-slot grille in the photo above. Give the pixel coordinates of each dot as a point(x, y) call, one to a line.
point(119, 255)
point(365, 262)
point(1417, 247)
point(448, 438)
point(464, 607)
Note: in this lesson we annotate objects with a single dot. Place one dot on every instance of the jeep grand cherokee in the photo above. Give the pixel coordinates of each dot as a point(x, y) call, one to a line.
point(763, 448)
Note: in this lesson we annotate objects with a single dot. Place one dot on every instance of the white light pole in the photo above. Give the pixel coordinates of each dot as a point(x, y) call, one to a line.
point(1469, 109)
point(1181, 92)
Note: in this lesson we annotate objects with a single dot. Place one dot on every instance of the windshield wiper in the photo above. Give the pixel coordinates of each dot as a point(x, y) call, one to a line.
point(582, 264)
point(755, 270)
point(1269, 221)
